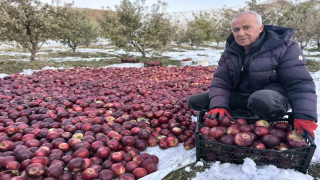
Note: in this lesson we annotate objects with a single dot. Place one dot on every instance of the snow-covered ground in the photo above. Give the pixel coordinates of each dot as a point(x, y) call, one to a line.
point(175, 158)
point(202, 53)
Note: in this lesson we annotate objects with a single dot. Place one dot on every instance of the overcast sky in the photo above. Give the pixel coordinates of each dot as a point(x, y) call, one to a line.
point(173, 5)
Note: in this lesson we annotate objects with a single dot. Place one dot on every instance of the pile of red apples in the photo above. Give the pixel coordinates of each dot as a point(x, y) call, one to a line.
point(260, 135)
point(87, 123)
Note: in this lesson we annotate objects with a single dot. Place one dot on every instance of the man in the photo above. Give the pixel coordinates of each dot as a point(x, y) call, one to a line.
point(261, 71)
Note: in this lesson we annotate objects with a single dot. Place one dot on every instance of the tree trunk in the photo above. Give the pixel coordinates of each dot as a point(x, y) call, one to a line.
point(33, 55)
point(139, 48)
point(143, 53)
point(318, 43)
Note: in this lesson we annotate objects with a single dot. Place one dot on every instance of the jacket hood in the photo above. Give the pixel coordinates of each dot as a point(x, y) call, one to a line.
point(275, 36)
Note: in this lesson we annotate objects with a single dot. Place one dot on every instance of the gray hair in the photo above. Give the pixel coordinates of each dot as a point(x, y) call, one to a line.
point(258, 16)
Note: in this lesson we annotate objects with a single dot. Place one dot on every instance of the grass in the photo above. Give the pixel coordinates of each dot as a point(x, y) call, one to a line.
point(182, 174)
point(12, 67)
point(313, 65)
point(314, 171)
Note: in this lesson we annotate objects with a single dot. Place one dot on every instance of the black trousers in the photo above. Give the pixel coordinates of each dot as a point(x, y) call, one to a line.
point(266, 104)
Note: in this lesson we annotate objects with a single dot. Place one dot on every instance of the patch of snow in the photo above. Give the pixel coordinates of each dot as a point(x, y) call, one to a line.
point(48, 67)
point(187, 169)
point(213, 55)
point(78, 59)
point(125, 65)
point(199, 164)
point(316, 156)
point(249, 166)
point(311, 53)
point(27, 72)
point(2, 75)
point(229, 171)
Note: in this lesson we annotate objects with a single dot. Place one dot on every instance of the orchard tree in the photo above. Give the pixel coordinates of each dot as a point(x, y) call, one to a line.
point(223, 27)
point(206, 23)
point(134, 25)
point(304, 19)
point(193, 34)
point(271, 12)
point(197, 30)
point(28, 22)
point(75, 28)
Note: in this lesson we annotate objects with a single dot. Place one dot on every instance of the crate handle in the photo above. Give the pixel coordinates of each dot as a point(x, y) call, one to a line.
point(307, 135)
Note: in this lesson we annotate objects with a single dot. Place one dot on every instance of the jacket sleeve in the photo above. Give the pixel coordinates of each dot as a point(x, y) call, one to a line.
point(220, 87)
point(298, 83)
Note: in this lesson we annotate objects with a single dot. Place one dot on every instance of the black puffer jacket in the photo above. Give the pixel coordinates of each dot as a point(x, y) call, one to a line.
point(275, 62)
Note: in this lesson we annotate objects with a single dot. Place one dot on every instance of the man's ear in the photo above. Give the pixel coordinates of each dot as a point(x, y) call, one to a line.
point(261, 28)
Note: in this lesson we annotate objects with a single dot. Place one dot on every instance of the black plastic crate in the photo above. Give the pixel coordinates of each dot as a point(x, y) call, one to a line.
point(210, 150)
point(129, 60)
point(152, 63)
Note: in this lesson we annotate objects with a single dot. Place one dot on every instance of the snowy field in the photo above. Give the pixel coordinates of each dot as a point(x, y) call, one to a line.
point(175, 158)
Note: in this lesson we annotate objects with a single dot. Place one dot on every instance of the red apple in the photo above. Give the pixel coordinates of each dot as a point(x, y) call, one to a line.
point(76, 164)
point(295, 143)
point(261, 131)
point(172, 141)
point(6, 145)
point(217, 132)
point(294, 135)
point(258, 145)
point(244, 139)
point(116, 156)
point(233, 130)
point(270, 141)
point(227, 139)
point(131, 165)
point(13, 165)
point(89, 173)
point(211, 122)
point(54, 170)
point(139, 172)
point(263, 123)
point(81, 153)
point(283, 126)
point(103, 152)
point(241, 121)
point(118, 168)
point(35, 170)
point(189, 144)
point(127, 176)
point(279, 133)
point(226, 121)
point(107, 174)
point(150, 165)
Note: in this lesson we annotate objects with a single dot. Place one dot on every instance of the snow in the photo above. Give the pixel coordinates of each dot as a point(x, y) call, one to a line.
point(200, 53)
point(2, 75)
point(211, 54)
point(187, 169)
point(199, 164)
point(124, 65)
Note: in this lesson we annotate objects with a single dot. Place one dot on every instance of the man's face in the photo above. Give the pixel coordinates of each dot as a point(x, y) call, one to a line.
point(246, 30)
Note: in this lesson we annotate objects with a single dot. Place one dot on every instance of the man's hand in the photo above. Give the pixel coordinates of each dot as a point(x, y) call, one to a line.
point(217, 112)
point(302, 124)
